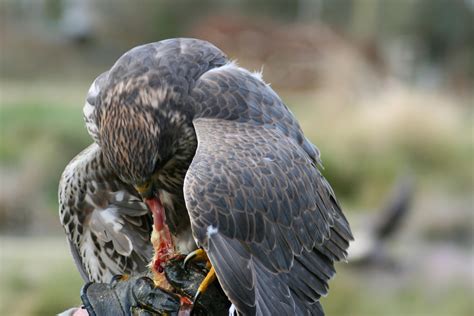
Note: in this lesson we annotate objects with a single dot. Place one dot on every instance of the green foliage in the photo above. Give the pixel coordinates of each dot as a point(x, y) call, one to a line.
point(364, 148)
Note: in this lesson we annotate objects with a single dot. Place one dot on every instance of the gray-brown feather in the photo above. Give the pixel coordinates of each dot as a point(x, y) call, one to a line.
point(256, 200)
point(272, 209)
point(264, 194)
point(107, 225)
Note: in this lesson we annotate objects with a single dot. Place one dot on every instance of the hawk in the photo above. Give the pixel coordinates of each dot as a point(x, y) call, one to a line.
point(223, 165)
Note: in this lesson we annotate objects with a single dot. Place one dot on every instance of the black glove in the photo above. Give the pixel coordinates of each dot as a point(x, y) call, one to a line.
point(135, 296)
point(138, 295)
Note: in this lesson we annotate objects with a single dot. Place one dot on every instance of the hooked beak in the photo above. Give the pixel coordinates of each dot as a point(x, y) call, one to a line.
point(145, 189)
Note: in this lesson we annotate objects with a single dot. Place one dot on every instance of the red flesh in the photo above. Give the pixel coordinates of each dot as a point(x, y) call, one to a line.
point(165, 250)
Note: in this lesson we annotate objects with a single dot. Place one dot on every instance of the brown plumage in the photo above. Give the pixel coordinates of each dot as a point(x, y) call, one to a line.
point(230, 164)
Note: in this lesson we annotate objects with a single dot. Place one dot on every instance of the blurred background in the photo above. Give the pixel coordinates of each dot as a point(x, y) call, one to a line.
point(384, 88)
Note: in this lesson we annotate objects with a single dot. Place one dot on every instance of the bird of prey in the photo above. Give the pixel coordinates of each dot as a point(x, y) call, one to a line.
point(222, 164)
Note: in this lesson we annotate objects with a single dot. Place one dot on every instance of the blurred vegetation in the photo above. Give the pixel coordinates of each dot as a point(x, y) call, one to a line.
point(35, 281)
point(412, 298)
point(384, 88)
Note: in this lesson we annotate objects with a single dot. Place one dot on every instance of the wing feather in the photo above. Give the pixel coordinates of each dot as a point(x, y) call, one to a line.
point(107, 225)
point(279, 228)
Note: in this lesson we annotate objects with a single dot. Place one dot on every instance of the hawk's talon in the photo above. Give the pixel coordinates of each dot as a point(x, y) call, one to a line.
point(197, 255)
point(201, 255)
point(210, 277)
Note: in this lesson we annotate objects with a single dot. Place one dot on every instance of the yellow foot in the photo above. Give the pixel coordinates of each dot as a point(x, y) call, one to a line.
point(197, 255)
point(201, 255)
point(210, 277)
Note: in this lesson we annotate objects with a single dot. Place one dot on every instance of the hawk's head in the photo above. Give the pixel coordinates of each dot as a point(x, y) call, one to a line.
point(145, 139)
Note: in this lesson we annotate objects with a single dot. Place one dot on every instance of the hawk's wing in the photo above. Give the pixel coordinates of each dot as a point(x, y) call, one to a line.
point(107, 224)
point(259, 206)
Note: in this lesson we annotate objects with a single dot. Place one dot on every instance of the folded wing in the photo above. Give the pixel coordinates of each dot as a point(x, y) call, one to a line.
point(267, 218)
point(107, 225)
